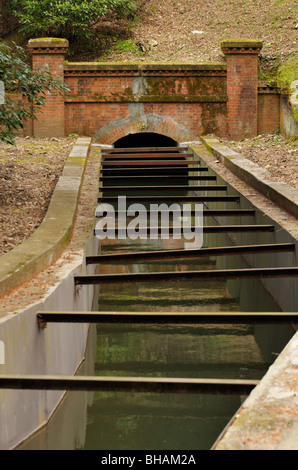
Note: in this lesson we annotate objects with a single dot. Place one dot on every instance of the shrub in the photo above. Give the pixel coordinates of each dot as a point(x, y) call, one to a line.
point(67, 18)
point(18, 77)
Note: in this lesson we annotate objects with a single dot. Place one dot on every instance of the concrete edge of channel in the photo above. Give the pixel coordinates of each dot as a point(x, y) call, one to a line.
point(267, 420)
point(49, 240)
point(280, 193)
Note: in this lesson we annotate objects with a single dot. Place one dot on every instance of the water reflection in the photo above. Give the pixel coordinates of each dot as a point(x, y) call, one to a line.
point(150, 422)
point(132, 421)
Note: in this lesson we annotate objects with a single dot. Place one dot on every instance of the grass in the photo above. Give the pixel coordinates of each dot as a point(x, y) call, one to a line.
point(127, 45)
point(288, 72)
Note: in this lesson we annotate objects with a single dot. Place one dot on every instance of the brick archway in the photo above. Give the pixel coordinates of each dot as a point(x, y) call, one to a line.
point(139, 120)
point(181, 101)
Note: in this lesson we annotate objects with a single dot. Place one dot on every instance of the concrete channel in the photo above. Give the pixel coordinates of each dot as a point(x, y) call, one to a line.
point(58, 326)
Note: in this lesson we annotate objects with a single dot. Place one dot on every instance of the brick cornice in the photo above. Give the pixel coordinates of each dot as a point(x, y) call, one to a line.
point(48, 46)
point(241, 46)
point(149, 70)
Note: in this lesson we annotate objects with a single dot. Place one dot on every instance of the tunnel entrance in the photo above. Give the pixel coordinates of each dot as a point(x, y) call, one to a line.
point(145, 139)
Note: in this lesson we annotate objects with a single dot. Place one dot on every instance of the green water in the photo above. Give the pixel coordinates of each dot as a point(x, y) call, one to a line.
point(151, 421)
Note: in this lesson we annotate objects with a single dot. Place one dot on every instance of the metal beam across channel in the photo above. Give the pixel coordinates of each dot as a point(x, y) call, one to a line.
point(140, 156)
point(205, 229)
point(216, 251)
point(146, 150)
point(193, 198)
point(141, 163)
point(167, 317)
point(157, 177)
point(127, 384)
point(206, 213)
point(157, 170)
point(187, 275)
point(182, 187)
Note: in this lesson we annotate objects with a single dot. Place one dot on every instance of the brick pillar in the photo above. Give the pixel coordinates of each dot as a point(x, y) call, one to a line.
point(242, 86)
point(49, 54)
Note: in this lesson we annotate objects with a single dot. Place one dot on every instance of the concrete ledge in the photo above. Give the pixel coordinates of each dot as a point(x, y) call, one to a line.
point(279, 193)
point(268, 418)
point(46, 244)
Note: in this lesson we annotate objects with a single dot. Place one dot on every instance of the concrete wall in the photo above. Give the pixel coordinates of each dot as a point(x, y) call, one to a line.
point(288, 123)
point(59, 349)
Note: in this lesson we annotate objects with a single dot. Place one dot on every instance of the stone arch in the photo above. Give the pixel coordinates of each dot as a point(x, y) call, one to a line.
point(138, 121)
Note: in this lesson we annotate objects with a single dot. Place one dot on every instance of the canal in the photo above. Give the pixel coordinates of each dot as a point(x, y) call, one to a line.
point(165, 421)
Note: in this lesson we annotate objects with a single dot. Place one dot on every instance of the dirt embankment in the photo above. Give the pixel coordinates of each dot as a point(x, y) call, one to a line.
point(29, 173)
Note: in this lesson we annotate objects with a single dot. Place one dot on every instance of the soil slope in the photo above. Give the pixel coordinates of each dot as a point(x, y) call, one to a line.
point(191, 30)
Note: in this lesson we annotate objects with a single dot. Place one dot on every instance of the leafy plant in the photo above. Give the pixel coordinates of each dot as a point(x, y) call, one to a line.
point(127, 45)
point(19, 78)
point(288, 72)
point(67, 18)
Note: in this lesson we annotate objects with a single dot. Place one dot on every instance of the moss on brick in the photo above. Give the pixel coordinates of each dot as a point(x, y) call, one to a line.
point(77, 161)
point(38, 41)
point(242, 43)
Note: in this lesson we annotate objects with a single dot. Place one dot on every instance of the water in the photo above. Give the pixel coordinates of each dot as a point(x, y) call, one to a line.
point(150, 421)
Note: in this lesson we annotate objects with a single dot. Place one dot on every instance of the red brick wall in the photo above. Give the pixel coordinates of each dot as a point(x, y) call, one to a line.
point(242, 87)
point(111, 121)
point(242, 92)
point(110, 101)
point(49, 54)
point(180, 102)
point(268, 112)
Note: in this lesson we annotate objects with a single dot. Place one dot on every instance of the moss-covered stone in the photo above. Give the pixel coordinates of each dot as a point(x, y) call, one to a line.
point(242, 43)
point(48, 42)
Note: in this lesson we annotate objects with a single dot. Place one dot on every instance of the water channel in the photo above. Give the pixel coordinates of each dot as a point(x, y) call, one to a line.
point(148, 421)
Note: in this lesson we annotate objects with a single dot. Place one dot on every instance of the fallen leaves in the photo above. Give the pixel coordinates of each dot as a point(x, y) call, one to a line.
point(28, 175)
point(274, 153)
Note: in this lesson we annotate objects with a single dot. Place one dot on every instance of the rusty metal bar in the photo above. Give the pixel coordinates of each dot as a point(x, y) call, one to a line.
point(167, 317)
point(193, 198)
point(220, 274)
point(172, 177)
point(216, 251)
point(156, 170)
point(182, 187)
point(127, 384)
point(145, 149)
point(206, 213)
point(147, 163)
point(141, 156)
point(205, 229)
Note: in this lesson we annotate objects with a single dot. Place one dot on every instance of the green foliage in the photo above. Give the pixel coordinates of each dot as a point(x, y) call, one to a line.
point(127, 45)
point(19, 78)
point(288, 72)
point(67, 18)
point(279, 73)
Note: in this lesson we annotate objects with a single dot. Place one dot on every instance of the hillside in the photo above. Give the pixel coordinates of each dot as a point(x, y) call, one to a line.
point(191, 31)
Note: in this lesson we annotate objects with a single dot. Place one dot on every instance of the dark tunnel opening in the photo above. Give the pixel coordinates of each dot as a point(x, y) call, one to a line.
point(145, 139)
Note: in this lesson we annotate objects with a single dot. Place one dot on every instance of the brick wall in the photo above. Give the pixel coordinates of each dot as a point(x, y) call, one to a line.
point(110, 101)
point(49, 54)
point(242, 87)
point(268, 110)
